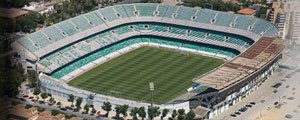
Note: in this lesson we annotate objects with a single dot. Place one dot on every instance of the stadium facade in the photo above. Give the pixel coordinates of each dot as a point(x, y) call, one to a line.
point(69, 48)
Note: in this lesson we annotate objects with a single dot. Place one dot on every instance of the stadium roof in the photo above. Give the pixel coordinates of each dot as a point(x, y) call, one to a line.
point(261, 53)
point(72, 30)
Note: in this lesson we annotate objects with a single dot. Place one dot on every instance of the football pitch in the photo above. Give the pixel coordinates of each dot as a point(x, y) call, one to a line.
point(128, 75)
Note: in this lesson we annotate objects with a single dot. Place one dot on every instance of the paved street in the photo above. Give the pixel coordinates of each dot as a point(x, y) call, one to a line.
point(265, 97)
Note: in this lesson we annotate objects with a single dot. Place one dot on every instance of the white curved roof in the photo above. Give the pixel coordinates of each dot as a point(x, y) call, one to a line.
point(61, 34)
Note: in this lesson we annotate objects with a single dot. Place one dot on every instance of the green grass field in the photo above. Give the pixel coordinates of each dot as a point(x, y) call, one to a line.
point(128, 75)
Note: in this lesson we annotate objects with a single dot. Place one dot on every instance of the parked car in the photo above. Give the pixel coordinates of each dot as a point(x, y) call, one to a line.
point(243, 109)
point(249, 106)
point(238, 113)
point(277, 85)
point(233, 115)
point(22, 99)
point(63, 109)
point(69, 108)
point(252, 103)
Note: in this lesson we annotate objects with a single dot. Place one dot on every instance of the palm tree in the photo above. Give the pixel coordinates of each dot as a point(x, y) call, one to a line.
point(36, 93)
point(51, 100)
point(153, 112)
point(174, 114)
point(58, 104)
point(93, 111)
point(142, 112)
point(107, 107)
point(86, 108)
point(118, 111)
point(133, 112)
point(71, 98)
point(78, 102)
point(164, 113)
point(124, 109)
point(181, 114)
point(190, 115)
point(44, 96)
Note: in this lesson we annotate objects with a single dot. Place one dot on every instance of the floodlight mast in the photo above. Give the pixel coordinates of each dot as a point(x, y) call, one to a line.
point(151, 86)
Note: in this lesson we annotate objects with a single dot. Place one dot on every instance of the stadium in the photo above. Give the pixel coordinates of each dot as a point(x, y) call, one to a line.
point(198, 59)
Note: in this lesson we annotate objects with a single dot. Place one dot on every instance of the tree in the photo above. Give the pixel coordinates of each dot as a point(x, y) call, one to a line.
point(121, 109)
point(27, 106)
point(86, 108)
point(27, 23)
point(181, 114)
point(133, 112)
point(124, 109)
point(71, 99)
point(164, 113)
point(44, 96)
point(78, 102)
point(153, 112)
point(18, 3)
point(190, 115)
point(58, 104)
point(36, 92)
point(118, 111)
point(93, 111)
point(174, 114)
point(55, 112)
point(51, 100)
point(142, 112)
point(107, 107)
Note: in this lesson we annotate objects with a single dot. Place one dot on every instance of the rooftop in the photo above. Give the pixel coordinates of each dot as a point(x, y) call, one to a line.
point(261, 53)
point(246, 11)
point(11, 12)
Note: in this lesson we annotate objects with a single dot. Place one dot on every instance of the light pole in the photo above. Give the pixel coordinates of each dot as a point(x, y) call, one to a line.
point(151, 86)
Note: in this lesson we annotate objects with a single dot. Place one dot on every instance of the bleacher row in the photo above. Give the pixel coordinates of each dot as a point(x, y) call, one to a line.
point(38, 40)
point(102, 39)
point(130, 41)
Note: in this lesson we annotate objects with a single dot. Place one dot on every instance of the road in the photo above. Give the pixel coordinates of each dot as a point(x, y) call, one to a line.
point(265, 97)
